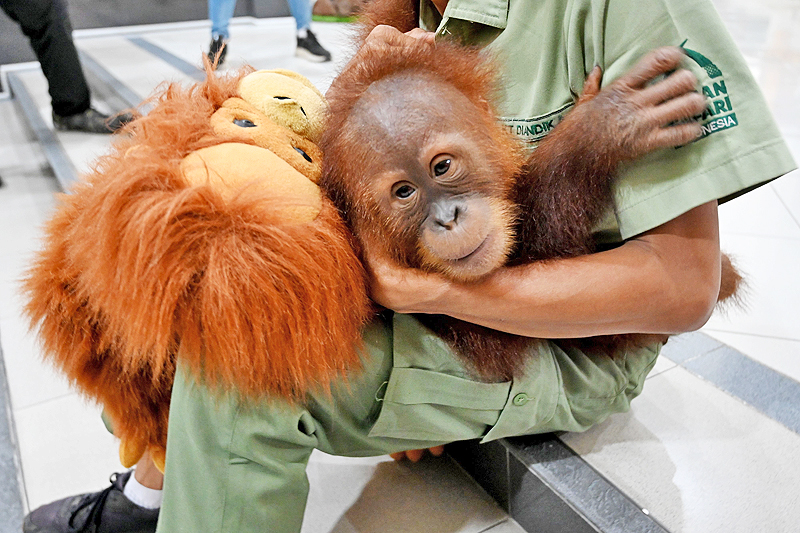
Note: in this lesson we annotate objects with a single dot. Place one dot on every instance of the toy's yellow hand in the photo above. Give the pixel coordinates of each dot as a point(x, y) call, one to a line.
point(159, 457)
point(236, 168)
point(130, 451)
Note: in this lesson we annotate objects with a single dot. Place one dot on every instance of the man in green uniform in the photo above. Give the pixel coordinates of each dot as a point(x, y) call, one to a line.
point(234, 466)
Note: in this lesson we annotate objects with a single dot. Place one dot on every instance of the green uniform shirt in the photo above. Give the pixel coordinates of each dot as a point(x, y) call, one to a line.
point(548, 47)
point(236, 467)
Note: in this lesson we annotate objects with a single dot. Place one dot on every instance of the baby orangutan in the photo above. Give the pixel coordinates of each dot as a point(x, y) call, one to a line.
point(428, 178)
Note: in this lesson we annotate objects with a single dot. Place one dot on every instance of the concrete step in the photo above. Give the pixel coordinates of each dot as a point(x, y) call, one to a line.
point(710, 445)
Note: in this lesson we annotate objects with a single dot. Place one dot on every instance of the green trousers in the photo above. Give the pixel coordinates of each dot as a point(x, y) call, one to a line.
point(239, 466)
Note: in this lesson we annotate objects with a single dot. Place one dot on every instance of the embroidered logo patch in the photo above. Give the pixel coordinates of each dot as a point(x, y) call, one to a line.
point(719, 114)
point(535, 129)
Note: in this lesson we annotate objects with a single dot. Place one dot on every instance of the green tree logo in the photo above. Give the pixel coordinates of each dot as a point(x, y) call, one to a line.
point(706, 64)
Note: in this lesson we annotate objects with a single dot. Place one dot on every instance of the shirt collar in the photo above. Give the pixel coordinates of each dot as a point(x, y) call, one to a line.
point(488, 12)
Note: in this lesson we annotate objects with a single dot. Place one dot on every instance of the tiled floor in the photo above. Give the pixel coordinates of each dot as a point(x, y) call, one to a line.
point(696, 457)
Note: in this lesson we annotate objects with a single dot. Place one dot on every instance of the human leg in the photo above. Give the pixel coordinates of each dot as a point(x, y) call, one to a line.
point(301, 11)
point(220, 13)
point(47, 26)
point(147, 474)
point(308, 46)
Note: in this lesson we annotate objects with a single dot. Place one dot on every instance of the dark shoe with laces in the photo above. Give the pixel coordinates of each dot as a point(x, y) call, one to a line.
point(217, 46)
point(309, 48)
point(91, 121)
point(107, 511)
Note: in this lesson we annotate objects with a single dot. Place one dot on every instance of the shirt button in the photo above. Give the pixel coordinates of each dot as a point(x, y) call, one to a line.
point(521, 399)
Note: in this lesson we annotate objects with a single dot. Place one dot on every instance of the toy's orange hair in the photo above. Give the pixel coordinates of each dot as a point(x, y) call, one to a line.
point(139, 268)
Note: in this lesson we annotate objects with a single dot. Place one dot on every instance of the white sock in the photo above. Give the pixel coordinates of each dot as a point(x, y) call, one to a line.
point(141, 495)
point(302, 33)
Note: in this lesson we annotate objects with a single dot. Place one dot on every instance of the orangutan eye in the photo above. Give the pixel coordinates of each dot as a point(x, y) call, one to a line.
point(441, 168)
point(403, 191)
point(244, 123)
point(305, 155)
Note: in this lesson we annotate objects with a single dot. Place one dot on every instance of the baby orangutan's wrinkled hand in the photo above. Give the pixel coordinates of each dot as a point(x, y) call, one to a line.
point(640, 111)
point(416, 455)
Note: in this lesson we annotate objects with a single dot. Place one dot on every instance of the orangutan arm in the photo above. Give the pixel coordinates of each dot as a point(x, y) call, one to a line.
point(664, 281)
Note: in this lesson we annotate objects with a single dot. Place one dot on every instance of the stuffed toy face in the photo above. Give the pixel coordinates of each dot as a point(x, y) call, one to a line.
point(278, 115)
point(202, 240)
point(288, 99)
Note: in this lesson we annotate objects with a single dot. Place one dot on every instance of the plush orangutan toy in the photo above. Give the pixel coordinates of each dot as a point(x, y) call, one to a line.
point(202, 237)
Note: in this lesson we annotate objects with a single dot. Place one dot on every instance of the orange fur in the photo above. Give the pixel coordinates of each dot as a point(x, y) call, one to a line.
point(139, 269)
point(403, 15)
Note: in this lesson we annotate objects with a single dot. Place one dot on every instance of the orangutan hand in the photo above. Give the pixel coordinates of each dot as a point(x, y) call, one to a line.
point(649, 107)
point(389, 36)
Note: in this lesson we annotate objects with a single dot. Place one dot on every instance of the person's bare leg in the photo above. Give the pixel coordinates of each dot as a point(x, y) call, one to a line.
point(147, 474)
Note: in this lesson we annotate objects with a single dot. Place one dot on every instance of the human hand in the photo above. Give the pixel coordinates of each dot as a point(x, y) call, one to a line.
point(402, 289)
point(388, 36)
point(639, 112)
point(416, 455)
point(385, 39)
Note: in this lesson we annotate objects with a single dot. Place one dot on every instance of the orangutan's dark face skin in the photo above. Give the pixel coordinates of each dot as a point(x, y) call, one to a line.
point(429, 171)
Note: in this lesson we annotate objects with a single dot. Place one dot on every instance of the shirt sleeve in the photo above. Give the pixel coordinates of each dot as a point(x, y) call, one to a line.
point(741, 146)
point(592, 388)
point(429, 394)
point(572, 391)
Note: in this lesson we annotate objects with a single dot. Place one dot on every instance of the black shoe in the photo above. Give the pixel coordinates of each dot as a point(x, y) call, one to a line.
point(91, 121)
point(217, 46)
point(107, 511)
point(309, 48)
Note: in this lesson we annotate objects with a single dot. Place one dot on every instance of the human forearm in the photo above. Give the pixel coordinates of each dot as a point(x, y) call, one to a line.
point(614, 292)
point(665, 281)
